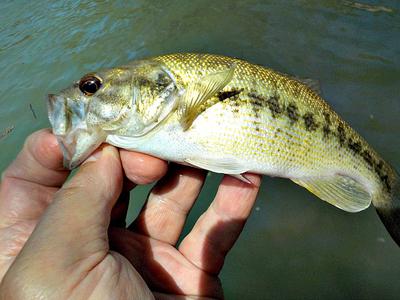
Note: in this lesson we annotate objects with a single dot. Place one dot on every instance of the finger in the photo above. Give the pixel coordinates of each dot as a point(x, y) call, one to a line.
point(169, 203)
point(72, 234)
point(162, 267)
point(29, 183)
point(23, 201)
point(40, 161)
point(142, 168)
point(218, 228)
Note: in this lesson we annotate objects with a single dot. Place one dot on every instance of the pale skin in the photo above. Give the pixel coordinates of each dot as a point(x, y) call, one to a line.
point(68, 240)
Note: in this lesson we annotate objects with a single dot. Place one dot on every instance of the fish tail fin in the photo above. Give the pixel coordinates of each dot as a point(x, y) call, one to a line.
point(387, 205)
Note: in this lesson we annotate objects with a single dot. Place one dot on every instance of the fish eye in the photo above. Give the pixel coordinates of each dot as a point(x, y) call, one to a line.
point(89, 85)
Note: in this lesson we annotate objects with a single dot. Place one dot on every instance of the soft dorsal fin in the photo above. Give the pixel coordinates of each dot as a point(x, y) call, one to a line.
point(339, 190)
point(198, 92)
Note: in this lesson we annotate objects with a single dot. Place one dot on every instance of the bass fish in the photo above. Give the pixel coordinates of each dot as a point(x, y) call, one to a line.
point(227, 116)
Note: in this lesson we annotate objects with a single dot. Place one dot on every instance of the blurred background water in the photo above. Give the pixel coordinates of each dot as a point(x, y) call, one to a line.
point(294, 246)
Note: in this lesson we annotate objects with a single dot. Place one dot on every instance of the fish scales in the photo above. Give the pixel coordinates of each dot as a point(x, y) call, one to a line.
point(229, 116)
point(257, 80)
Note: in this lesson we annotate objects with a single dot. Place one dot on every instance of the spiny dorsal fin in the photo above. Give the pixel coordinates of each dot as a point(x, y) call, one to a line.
point(313, 84)
point(339, 190)
point(198, 92)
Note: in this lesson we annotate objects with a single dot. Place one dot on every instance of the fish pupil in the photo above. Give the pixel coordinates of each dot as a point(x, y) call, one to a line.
point(89, 85)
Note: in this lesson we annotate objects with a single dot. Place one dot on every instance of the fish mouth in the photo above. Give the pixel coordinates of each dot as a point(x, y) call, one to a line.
point(77, 146)
point(68, 120)
point(56, 108)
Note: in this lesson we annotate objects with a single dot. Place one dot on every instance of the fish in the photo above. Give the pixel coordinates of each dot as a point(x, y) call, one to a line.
point(226, 115)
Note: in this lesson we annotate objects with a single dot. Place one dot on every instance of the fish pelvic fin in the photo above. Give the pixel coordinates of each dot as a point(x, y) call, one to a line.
point(222, 165)
point(341, 191)
point(387, 205)
point(198, 92)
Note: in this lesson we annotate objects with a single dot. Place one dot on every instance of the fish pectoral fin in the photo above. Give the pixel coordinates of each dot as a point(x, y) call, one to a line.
point(341, 191)
point(224, 165)
point(198, 92)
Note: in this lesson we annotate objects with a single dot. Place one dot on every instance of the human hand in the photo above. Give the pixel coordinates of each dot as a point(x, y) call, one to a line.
point(56, 240)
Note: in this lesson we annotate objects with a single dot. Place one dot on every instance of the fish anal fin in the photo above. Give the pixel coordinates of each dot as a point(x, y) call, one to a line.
point(198, 92)
point(341, 191)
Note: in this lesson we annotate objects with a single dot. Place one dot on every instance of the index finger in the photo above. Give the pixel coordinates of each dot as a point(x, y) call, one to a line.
point(40, 161)
point(141, 168)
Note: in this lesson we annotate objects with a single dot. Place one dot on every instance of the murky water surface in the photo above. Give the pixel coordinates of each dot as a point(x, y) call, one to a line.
point(294, 246)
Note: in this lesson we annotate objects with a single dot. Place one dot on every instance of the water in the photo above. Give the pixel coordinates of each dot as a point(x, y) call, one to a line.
point(294, 246)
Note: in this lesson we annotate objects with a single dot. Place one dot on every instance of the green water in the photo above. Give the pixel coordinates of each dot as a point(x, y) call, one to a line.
point(294, 246)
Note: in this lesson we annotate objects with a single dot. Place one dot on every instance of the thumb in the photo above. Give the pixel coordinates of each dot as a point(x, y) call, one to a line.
point(73, 231)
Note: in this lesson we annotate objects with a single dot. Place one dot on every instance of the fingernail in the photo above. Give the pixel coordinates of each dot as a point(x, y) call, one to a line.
point(110, 150)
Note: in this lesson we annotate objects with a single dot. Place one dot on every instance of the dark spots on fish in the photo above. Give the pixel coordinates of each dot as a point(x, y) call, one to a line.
point(228, 94)
point(257, 128)
point(273, 105)
point(162, 81)
point(341, 134)
point(309, 122)
point(292, 113)
point(326, 130)
point(277, 132)
point(236, 110)
point(254, 95)
point(378, 167)
point(385, 180)
point(257, 102)
point(354, 146)
point(257, 105)
point(327, 118)
point(143, 81)
point(382, 175)
point(367, 157)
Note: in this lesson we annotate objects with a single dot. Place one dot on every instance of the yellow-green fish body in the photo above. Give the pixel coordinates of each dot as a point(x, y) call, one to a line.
point(228, 116)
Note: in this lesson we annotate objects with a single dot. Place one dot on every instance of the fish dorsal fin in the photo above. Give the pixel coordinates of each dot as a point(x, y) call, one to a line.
point(198, 92)
point(313, 84)
point(339, 190)
point(227, 165)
